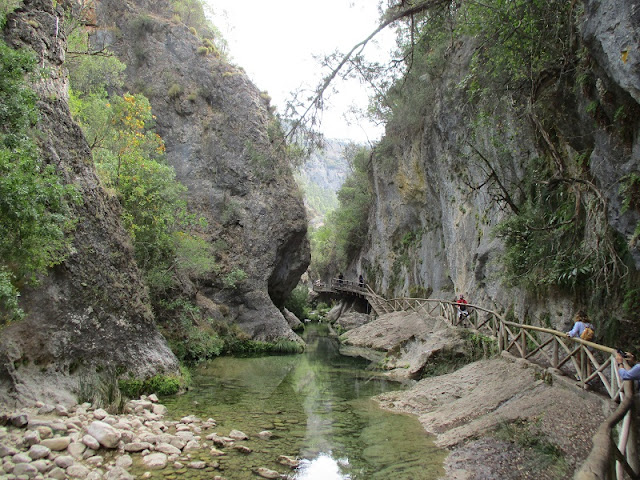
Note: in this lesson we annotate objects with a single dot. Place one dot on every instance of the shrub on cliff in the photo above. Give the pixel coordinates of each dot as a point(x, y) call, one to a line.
point(35, 214)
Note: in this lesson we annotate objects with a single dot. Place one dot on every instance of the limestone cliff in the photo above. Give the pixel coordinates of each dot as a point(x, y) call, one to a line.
point(222, 139)
point(92, 313)
point(436, 200)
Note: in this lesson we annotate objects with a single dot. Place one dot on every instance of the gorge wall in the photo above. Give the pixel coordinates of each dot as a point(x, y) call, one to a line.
point(437, 199)
point(221, 137)
point(92, 313)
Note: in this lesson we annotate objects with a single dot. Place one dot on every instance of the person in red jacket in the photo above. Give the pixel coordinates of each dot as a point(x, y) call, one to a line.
point(462, 307)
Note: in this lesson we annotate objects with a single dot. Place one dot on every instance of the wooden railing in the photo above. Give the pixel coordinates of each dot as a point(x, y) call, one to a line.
point(594, 365)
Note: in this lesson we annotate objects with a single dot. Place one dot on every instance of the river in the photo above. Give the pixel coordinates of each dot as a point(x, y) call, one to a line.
point(318, 406)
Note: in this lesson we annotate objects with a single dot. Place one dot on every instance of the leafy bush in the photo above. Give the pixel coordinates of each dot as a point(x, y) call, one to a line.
point(234, 278)
point(298, 301)
point(158, 384)
point(35, 206)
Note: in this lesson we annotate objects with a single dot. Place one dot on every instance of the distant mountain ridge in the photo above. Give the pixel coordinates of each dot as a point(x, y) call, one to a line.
point(321, 177)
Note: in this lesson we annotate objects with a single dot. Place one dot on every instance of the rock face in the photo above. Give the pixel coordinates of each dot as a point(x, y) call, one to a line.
point(92, 311)
point(223, 142)
point(408, 340)
point(473, 401)
point(430, 232)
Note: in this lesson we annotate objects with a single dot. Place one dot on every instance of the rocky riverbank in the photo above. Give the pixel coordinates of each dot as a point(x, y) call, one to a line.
point(82, 442)
point(501, 418)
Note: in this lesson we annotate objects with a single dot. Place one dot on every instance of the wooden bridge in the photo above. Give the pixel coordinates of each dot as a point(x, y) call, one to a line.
point(594, 365)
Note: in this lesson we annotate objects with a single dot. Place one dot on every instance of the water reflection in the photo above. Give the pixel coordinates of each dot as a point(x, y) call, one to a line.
point(323, 467)
point(319, 408)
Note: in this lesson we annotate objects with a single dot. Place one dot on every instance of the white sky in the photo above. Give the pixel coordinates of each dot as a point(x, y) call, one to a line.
point(275, 41)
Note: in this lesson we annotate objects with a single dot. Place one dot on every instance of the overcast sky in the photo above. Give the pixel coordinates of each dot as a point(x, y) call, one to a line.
point(275, 42)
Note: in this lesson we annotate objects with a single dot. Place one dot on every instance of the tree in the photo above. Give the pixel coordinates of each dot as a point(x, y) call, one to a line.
point(35, 205)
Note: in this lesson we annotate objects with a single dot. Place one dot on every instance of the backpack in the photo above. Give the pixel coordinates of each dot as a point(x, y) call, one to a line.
point(588, 333)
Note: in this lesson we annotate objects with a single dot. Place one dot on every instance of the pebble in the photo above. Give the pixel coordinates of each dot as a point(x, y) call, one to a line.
point(81, 442)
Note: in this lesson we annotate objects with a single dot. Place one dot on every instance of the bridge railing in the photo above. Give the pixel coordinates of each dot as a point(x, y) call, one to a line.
point(592, 362)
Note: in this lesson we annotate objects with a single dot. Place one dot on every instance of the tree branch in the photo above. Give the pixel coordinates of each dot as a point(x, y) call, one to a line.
point(393, 15)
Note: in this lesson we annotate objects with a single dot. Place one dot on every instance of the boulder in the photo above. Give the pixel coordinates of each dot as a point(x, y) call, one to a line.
point(155, 461)
point(57, 444)
point(104, 433)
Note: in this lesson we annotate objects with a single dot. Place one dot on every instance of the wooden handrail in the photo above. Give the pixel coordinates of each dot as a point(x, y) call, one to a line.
point(610, 461)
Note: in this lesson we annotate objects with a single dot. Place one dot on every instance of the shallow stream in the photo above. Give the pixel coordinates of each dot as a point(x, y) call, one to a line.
point(318, 406)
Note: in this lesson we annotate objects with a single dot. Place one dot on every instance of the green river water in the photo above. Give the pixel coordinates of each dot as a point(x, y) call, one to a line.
point(318, 406)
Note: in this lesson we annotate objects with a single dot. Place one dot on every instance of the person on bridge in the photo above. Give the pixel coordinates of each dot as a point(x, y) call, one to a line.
point(361, 281)
point(462, 307)
point(340, 278)
point(581, 322)
point(633, 373)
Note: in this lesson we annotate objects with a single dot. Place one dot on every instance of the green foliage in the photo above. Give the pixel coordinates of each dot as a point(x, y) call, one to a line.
point(549, 243)
point(250, 348)
point(298, 301)
point(193, 14)
point(35, 206)
point(129, 158)
point(520, 40)
point(234, 278)
point(175, 90)
point(158, 384)
point(6, 7)
point(191, 336)
point(91, 74)
point(345, 230)
point(630, 191)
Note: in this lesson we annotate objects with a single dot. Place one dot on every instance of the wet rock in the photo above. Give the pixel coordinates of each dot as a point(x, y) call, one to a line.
point(242, 449)
point(125, 461)
point(214, 452)
point(198, 465)
point(238, 435)
point(118, 473)
point(267, 473)
point(168, 449)
point(289, 461)
point(155, 461)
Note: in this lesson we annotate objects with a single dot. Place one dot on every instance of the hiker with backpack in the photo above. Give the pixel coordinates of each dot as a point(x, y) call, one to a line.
point(581, 327)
